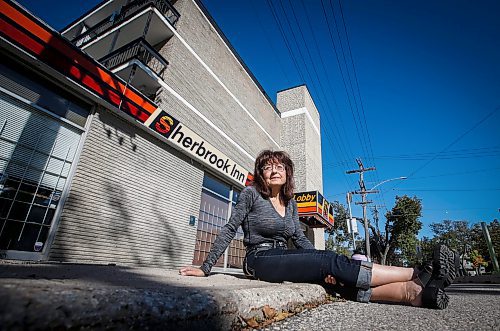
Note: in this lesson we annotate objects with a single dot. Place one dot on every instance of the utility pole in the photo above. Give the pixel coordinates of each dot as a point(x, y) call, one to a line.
point(349, 222)
point(491, 249)
point(375, 216)
point(364, 202)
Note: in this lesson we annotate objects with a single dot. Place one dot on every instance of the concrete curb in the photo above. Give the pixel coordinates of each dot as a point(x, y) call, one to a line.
point(480, 279)
point(34, 298)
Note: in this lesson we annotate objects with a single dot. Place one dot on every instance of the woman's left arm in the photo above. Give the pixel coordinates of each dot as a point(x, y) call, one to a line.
point(298, 238)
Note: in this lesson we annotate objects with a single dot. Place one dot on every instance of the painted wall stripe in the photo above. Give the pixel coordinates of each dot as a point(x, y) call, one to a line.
point(299, 111)
point(231, 52)
point(218, 79)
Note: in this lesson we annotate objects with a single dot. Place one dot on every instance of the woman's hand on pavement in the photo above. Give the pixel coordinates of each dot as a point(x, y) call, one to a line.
point(191, 271)
point(330, 280)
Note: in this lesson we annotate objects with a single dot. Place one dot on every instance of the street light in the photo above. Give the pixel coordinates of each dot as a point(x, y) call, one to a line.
point(388, 180)
point(365, 220)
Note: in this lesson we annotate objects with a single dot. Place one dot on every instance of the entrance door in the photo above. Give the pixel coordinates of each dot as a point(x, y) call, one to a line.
point(217, 199)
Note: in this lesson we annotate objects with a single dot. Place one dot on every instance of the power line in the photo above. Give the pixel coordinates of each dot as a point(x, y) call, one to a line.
point(451, 144)
point(370, 146)
point(331, 113)
point(447, 190)
point(355, 77)
point(455, 141)
point(336, 131)
point(296, 44)
point(448, 209)
point(294, 59)
point(341, 73)
point(358, 117)
point(343, 53)
point(455, 154)
point(256, 12)
point(334, 47)
point(443, 157)
point(278, 23)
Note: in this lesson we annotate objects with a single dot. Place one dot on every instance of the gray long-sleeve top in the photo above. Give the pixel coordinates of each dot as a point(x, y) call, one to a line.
point(261, 223)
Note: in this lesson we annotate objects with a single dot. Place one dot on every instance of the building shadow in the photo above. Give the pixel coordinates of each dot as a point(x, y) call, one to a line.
point(76, 296)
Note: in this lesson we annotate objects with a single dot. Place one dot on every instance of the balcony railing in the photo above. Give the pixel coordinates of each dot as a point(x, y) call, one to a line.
point(138, 49)
point(164, 6)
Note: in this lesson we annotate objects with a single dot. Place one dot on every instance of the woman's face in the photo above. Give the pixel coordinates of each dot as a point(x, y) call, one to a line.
point(274, 174)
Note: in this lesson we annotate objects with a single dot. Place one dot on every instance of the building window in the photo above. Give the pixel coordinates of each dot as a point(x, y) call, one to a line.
point(40, 131)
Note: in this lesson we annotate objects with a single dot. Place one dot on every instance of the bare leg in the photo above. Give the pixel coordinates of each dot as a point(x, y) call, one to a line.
point(409, 293)
point(382, 274)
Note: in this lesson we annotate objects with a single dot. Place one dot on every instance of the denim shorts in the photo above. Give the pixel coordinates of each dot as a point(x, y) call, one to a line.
point(312, 266)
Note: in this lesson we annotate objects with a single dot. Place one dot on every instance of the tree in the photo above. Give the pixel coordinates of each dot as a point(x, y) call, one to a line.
point(478, 241)
point(426, 245)
point(398, 242)
point(469, 241)
point(477, 260)
point(340, 225)
point(494, 229)
point(338, 237)
point(455, 234)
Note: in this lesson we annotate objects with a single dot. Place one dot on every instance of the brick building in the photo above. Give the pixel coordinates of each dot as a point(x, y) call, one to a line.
point(126, 137)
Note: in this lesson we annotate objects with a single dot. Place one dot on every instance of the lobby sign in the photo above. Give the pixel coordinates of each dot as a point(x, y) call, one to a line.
point(312, 203)
point(306, 202)
point(186, 140)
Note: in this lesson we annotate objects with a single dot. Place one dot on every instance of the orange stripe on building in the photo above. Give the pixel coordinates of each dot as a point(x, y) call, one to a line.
point(62, 46)
point(306, 209)
point(306, 204)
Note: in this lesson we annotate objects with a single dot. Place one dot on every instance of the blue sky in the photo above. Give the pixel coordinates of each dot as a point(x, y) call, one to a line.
point(410, 87)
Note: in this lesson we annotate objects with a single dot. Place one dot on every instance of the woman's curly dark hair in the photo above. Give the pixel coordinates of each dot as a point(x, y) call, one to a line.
point(272, 157)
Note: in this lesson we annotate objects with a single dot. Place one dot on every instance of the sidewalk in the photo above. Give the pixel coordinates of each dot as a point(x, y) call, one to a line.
point(75, 296)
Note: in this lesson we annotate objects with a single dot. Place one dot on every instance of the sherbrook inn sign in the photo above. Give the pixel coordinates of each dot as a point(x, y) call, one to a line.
point(184, 139)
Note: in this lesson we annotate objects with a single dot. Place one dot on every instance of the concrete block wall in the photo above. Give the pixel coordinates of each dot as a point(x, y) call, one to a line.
point(293, 141)
point(313, 159)
point(310, 106)
point(187, 76)
point(318, 235)
point(300, 136)
point(130, 200)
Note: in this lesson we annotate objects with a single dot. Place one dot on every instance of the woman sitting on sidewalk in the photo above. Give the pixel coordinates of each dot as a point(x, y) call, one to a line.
point(268, 215)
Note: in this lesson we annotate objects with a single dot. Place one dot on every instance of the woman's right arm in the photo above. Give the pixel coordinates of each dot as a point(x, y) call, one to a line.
point(226, 234)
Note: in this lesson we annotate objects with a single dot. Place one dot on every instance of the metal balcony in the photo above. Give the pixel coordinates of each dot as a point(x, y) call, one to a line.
point(123, 14)
point(132, 61)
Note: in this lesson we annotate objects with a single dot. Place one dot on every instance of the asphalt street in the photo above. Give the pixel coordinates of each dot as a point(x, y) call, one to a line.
point(472, 307)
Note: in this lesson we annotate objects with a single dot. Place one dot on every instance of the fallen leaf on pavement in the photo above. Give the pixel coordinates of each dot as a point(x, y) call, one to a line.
point(282, 316)
point(252, 323)
point(268, 312)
